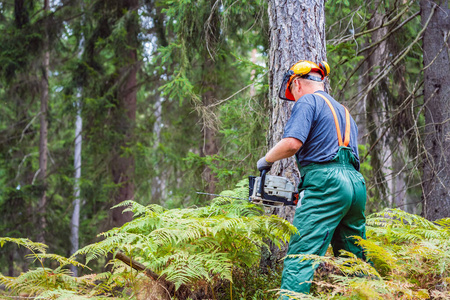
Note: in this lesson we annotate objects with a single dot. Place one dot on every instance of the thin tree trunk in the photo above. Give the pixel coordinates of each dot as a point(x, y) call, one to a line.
point(43, 147)
point(75, 221)
point(123, 163)
point(210, 143)
point(401, 147)
point(297, 31)
point(376, 115)
point(159, 181)
point(436, 163)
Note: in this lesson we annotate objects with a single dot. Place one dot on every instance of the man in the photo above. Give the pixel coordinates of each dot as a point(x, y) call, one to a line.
point(332, 192)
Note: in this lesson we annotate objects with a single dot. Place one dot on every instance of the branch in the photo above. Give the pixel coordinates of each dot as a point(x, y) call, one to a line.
point(391, 21)
point(136, 265)
point(392, 64)
point(183, 292)
point(390, 33)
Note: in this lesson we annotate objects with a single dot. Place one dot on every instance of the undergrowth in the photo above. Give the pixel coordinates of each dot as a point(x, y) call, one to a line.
point(409, 259)
point(252, 284)
point(217, 249)
point(197, 247)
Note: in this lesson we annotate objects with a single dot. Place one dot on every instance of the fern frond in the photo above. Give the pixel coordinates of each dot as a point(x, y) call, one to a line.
point(26, 243)
point(197, 243)
point(32, 282)
point(378, 254)
point(134, 207)
point(296, 296)
point(60, 294)
point(100, 249)
point(399, 218)
point(183, 267)
point(348, 264)
point(60, 259)
point(445, 223)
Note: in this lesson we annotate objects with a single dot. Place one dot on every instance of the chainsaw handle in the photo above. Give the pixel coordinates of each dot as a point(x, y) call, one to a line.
point(262, 182)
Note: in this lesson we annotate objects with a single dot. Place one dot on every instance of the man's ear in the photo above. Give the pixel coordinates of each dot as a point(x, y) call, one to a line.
point(297, 85)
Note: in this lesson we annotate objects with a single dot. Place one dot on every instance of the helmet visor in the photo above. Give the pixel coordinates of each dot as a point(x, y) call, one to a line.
point(301, 69)
point(284, 93)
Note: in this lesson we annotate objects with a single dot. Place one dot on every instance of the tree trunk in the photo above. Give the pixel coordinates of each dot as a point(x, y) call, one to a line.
point(401, 147)
point(122, 164)
point(297, 31)
point(43, 148)
point(436, 164)
point(75, 221)
point(159, 182)
point(377, 114)
point(210, 143)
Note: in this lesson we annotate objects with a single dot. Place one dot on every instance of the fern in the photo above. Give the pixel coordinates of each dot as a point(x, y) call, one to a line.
point(201, 246)
point(192, 245)
point(44, 282)
point(26, 243)
point(409, 254)
point(60, 259)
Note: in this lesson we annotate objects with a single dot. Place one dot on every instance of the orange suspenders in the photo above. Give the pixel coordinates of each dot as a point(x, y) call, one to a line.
point(338, 129)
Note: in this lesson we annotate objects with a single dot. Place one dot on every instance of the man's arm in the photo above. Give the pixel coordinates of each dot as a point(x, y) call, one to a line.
point(283, 149)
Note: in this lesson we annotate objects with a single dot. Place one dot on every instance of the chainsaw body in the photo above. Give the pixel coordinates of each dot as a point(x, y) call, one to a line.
point(270, 190)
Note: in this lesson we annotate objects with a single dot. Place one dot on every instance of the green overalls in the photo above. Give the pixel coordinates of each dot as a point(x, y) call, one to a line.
point(330, 211)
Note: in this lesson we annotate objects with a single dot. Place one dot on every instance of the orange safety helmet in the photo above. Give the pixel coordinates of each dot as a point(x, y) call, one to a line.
point(301, 69)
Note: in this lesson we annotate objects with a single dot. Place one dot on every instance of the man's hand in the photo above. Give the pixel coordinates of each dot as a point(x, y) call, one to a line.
point(263, 164)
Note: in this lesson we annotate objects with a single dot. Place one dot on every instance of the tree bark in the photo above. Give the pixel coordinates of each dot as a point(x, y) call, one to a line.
point(436, 163)
point(43, 138)
point(122, 164)
point(297, 31)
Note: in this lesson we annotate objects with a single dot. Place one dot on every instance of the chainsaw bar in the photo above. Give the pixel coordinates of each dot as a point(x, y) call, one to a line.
point(217, 195)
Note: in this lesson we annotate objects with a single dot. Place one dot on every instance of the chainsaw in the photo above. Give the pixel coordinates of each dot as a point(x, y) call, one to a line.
point(268, 190)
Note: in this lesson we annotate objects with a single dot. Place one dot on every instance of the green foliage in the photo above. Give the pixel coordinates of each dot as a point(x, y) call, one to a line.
point(252, 284)
point(194, 245)
point(204, 246)
point(44, 282)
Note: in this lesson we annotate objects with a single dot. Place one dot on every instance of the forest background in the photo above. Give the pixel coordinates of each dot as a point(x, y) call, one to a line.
point(155, 100)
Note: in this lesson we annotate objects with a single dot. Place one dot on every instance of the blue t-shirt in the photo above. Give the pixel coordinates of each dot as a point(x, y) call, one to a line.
point(312, 123)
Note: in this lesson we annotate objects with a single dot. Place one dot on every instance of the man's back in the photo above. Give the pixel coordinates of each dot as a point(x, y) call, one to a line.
point(312, 123)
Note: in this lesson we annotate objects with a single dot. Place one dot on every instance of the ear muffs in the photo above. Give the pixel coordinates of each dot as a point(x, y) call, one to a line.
point(323, 65)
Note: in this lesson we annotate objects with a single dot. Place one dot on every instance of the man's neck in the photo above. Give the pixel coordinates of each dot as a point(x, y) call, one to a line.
point(313, 89)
